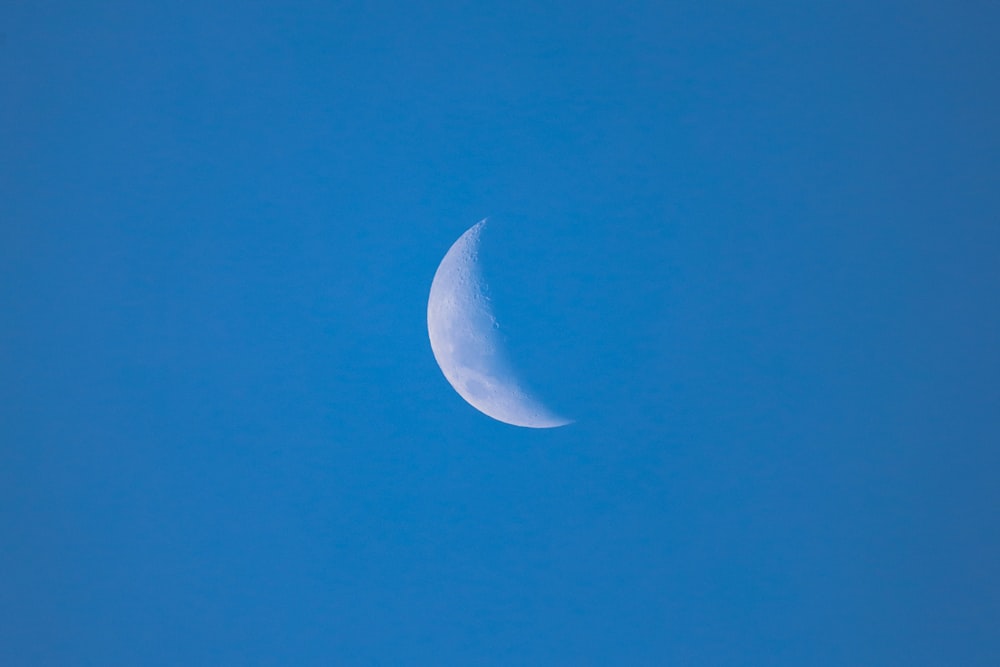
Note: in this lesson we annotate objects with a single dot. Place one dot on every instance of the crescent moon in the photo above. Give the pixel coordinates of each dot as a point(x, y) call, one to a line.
point(468, 345)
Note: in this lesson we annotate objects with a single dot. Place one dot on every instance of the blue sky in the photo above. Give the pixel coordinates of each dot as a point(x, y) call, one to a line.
point(752, 250)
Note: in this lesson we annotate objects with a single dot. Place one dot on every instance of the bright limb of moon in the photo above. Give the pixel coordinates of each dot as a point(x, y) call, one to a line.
point(467, 344)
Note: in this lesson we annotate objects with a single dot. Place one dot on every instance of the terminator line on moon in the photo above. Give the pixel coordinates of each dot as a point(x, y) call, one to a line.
point(467, 343)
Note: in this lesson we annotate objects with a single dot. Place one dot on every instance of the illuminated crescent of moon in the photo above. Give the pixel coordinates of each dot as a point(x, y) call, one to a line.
point(468, 345)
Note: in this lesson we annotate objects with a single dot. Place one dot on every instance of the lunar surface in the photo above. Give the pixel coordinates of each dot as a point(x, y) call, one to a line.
point(468, 343)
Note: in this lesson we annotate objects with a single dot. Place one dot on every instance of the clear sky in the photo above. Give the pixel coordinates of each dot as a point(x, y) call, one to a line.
point(753, 249)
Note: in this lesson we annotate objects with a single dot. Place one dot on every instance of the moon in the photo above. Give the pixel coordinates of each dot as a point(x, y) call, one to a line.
point(468, 344)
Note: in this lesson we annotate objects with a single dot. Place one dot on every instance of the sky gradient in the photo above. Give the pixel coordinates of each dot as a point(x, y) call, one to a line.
point(753, 251)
